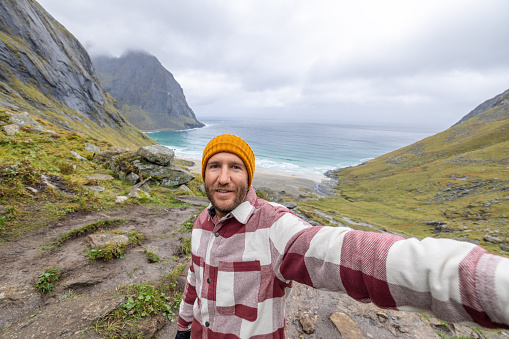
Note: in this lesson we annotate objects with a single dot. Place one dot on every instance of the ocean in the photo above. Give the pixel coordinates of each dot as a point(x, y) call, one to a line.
point(295, 147)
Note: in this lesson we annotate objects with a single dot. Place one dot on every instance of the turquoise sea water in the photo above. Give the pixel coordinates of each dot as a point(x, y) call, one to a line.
point(294, 147)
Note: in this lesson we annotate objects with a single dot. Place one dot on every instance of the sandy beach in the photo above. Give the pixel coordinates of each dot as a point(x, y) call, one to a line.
point(286, 184)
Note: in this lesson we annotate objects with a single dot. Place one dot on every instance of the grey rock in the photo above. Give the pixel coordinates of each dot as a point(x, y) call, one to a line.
point(107, 156)
point(78, 156)
point(132, 178)
point(157, 154)
point(168, 175)
point(11, 130)
point(177, 176)
point(492, 239)
point(95, 189)
point(102, 239)
point(270, 194)
point(120, 199)
point(91, 148)
point(504, 247)
point(289, 204)
point(25, 120)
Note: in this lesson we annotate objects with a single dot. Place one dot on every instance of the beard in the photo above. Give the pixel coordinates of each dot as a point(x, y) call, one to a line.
point(226, 206)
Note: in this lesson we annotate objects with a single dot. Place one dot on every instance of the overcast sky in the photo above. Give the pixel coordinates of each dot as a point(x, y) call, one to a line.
point(417, 63)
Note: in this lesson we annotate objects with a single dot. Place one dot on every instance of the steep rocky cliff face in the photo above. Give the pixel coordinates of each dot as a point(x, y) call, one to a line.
point(148, 94)
point(46, 71)
point(499, 105)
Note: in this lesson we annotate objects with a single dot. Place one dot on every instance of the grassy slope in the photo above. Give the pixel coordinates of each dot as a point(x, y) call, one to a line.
point(28, 155)
point(404, 190)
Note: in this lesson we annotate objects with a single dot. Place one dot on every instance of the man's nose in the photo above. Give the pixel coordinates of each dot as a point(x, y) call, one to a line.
point(224, 176)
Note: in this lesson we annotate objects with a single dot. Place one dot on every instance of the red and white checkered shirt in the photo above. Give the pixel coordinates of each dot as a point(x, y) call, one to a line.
point(243, 265)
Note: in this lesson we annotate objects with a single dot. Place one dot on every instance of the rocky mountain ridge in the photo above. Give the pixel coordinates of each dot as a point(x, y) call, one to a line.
point(148, 95)
point(46, 71)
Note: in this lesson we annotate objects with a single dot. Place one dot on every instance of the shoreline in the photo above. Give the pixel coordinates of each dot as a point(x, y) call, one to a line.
point(291, 185)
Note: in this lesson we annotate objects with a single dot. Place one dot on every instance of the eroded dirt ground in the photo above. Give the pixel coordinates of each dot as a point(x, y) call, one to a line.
point(24, 313)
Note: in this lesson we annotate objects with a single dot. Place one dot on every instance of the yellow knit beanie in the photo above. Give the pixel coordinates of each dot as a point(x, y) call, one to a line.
point(232, 144)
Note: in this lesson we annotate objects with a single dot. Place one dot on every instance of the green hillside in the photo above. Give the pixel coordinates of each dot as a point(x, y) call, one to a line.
point(454, 184)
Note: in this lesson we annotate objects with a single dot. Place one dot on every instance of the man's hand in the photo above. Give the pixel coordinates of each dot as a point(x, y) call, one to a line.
point(183, 335)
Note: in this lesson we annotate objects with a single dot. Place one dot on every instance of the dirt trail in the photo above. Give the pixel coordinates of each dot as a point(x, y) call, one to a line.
point(86, 288)
point(22, 260)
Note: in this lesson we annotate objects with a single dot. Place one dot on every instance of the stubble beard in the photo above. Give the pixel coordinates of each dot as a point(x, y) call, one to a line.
point(222, 206)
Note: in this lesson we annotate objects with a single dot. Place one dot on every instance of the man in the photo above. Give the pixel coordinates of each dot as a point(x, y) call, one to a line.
point(247, 251)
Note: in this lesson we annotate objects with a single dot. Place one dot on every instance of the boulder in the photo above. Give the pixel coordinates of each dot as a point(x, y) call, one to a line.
point(166, 175)
point(157, 154)
point(107, 155)
point(25, 120)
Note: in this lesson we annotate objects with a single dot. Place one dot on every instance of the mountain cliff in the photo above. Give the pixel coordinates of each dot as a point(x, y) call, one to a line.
point(499, 103)
point(47, 72)
point(148, 94)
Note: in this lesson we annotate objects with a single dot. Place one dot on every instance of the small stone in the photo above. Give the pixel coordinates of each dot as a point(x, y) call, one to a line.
point(31, 189)
point(504, 247)
point(78, 156)
point(382, 317)
point(492, 239)
point(308, 324)
point(95, 189)
point(289, 204)
point(120, 199)
point(346, 326)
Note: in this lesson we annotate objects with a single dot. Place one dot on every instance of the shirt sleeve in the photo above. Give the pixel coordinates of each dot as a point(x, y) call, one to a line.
point(457, 281)
point(186, 305)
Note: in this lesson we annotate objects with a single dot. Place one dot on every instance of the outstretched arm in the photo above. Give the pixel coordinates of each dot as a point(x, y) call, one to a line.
point(457, 281)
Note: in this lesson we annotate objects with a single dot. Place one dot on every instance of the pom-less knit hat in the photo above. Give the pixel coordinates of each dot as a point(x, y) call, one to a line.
point(232, 144)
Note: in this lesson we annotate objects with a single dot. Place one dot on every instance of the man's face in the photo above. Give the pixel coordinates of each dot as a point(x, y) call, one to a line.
point(226, 181)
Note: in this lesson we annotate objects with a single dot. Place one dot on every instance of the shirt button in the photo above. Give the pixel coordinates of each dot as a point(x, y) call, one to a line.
point(208, 280)
point(207, 324)
point(217, 234)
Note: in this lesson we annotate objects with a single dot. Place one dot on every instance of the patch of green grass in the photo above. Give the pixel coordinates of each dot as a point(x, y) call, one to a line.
point(25, 157)
point(151, 256)
point(187, 226)
point(145, 300)
point(186, 246)
point(111, 250)
point(46, 281)
point(98, 225)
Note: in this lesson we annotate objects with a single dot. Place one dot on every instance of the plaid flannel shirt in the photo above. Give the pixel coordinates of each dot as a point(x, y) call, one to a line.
point(242, 267)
